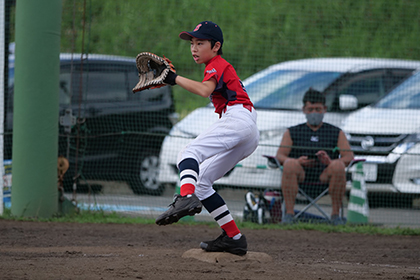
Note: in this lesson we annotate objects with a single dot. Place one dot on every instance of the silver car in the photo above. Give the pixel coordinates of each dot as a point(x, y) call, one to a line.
point(348, 83)
point(387, 135)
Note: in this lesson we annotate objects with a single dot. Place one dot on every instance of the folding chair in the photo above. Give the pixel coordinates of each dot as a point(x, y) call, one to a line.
point(303, 215)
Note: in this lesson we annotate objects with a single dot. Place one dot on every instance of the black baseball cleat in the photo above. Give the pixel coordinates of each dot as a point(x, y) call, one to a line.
point(181, 207)
point(224, 243)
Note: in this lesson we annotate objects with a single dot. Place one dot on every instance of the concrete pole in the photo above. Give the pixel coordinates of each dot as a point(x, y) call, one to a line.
point(35, 116)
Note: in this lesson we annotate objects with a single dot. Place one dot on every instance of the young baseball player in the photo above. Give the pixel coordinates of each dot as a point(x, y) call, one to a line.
point(219, 148)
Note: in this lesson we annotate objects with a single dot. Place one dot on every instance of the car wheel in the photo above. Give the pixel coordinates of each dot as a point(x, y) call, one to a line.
point(145, 181)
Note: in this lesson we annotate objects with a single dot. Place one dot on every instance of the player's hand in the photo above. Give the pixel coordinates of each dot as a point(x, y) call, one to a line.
point(305, 162)
point(323, 157)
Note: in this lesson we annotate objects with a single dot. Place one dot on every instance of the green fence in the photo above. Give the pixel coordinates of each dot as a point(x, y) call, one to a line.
point(122, 148)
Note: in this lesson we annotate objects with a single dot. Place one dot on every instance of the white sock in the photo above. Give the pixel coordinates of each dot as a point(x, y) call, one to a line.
point(236, 237)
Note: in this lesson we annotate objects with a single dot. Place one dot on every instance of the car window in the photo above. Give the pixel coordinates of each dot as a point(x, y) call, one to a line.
point(99, 86)
point(366, 86)
point(95, 82)
point(396, 76)
point(405, 96)
point(285, 89)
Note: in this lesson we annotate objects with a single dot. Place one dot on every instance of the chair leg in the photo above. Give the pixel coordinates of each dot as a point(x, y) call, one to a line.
point(283, 207)
point(313, 203)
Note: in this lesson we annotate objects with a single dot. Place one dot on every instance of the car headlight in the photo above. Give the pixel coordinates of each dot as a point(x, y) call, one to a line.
point(413, 138)
point(409, 142)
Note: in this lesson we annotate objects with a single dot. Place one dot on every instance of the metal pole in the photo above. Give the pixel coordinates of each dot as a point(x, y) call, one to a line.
point(2, 87)
point(35, 116)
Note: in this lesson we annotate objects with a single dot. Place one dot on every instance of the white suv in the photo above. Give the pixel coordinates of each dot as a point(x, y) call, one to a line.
point(348, 83)
point(387, 135)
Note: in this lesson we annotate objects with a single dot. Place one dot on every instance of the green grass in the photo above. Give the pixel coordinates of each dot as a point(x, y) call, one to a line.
point(115, 218)
point(85, 216)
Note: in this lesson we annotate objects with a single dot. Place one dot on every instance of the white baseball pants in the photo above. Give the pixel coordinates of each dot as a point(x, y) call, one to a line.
point(218, 149)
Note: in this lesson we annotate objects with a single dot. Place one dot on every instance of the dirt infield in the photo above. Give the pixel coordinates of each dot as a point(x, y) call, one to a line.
point(35, 250)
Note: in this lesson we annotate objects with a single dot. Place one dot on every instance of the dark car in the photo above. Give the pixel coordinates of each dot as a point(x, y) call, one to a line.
point(106, 132)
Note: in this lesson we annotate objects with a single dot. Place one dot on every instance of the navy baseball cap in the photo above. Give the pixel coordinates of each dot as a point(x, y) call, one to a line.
point(205, 30)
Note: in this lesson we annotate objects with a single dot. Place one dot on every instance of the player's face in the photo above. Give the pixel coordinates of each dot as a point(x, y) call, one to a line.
point(201, 50)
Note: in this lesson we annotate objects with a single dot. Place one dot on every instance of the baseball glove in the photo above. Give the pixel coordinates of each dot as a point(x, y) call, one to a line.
point(153, 70)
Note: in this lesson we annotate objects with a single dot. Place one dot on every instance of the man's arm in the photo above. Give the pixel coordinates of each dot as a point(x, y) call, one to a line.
point(345, 151)
point(346, 155)
point(204, 89)
point(285, 147)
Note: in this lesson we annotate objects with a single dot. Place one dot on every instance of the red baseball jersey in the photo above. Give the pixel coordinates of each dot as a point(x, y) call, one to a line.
point(229, 89)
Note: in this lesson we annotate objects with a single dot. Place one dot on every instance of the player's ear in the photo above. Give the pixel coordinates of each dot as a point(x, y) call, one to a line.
point(217, 46)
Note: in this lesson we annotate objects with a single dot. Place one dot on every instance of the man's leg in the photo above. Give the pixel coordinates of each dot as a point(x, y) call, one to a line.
point(293, 173)
point(335, 174)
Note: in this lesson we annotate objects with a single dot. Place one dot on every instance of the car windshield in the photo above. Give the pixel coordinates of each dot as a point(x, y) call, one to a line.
point(284, 89)
point(405, 96)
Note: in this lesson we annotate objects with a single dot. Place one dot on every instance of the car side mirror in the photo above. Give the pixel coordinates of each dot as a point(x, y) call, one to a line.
point(348, 102)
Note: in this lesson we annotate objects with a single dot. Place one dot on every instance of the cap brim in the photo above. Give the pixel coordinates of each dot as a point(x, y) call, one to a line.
point(185, 35)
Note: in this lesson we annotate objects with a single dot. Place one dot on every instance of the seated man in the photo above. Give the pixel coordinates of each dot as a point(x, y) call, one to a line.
point(308, 153)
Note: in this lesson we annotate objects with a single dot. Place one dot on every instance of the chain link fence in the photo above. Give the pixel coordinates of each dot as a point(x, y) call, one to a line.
point(122, 147)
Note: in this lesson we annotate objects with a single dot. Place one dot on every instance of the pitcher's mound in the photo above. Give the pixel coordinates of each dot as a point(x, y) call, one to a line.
point(219, 257)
